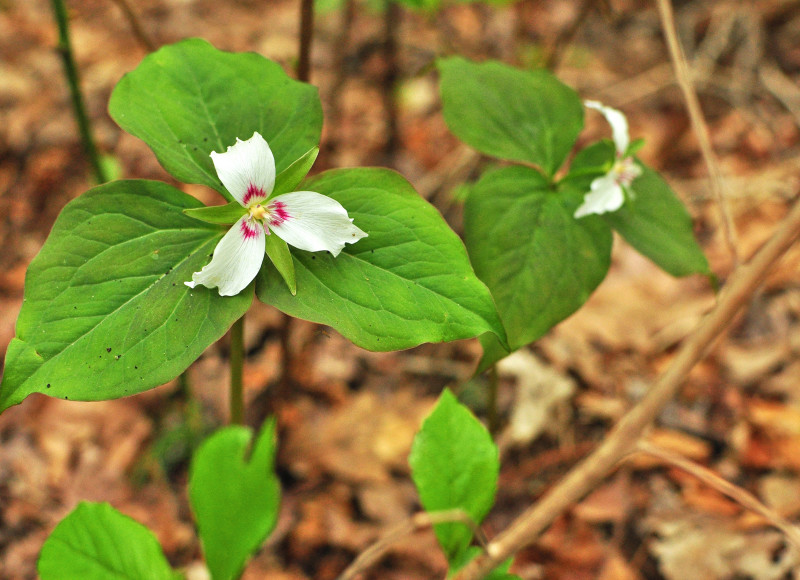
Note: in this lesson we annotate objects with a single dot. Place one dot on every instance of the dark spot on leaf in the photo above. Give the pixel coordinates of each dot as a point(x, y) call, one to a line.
point(134, 366)
point(117, 357)
point(48, 385)
point(108, 349)
point(313, 257)
point(66, 398)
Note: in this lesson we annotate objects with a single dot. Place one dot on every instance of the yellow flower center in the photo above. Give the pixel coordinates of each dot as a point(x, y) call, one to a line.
point(258, 212)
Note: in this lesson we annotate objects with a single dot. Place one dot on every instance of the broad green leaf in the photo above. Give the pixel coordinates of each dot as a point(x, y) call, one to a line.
point(217, 214)
point(454, 465)
point(189, 99)
point(409, 282)
point(493, 351)
point(281, 258)
point(96, 542)
point(540, 263)
point(499, 573)
point(653, 220)
point(106, 312)
point(288, 179)
point(509, 113)
point(235, 496)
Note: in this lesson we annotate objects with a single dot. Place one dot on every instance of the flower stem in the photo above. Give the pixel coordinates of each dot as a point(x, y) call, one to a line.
point(71, 72)
point(237, 366)
point(306, 34)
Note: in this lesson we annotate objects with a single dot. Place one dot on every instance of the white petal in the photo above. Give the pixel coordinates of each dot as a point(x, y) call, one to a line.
point(236, 260)
point(247, 170)
point(618, 122)
point(312, 221)
point(606, 195)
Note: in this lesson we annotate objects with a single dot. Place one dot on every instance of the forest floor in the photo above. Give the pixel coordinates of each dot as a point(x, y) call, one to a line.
point(346, 423)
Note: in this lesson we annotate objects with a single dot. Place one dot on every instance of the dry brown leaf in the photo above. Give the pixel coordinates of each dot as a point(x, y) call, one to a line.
point(609, 503)
point(617, 568)
point(541, 392)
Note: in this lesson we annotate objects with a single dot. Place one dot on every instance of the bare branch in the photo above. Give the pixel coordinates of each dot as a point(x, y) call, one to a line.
point(622, 439)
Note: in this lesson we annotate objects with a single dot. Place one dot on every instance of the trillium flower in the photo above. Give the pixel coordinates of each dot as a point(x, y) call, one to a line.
point(608, 191)
point(304, 219)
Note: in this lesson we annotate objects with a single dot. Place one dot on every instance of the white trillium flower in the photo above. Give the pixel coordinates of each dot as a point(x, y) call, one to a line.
point(304, 219)
point(607, 192)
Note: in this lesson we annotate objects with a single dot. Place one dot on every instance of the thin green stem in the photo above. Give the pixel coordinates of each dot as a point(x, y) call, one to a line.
point(237, 367)
point(71, 72)
point(306, 34)
point(491, 400)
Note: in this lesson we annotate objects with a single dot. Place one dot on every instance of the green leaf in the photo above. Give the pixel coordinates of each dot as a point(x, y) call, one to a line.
point(235, 496)
point(217, 214)
point(493, 351)
point(288, 179)
point(281, 257)
point(454, 465)
point(540, 263)
point(508, 113)
point(409, 282)
point(96, 542)
point(499, 573)
point(653, 220)
point(106, 313)
point(189, 99)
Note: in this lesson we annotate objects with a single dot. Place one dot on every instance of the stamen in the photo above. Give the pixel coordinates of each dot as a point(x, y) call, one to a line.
point(258, 212)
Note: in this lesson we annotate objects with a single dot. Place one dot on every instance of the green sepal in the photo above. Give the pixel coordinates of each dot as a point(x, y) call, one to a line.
point(278, 252)
point(217, 214)
point(290, 177)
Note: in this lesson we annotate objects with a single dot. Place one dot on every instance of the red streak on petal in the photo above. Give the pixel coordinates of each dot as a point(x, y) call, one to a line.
point(278, 213)
point(249, 230)
point(253, 192)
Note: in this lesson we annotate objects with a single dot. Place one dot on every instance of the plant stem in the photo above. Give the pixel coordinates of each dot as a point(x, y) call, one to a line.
point(71, 72)
point(237, 366)
point(491, 400)
point(391, 26)
point(306, 34)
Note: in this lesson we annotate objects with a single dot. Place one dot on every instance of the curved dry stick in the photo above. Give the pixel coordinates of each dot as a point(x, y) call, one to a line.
point(684, 78)
point(714, 481)
point(136, 26)
point(417, 522)
point(622, 439)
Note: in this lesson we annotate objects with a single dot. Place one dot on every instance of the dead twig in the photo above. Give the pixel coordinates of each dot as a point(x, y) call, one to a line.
point(419, 521)
point(684, 78)
point(136, 25)
point(622, 439)
point(714, 481)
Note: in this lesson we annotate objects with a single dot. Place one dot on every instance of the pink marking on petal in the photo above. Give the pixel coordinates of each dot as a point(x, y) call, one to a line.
point(249, 230)
point(253, 192)
point(278, 213)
